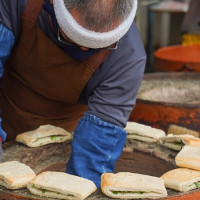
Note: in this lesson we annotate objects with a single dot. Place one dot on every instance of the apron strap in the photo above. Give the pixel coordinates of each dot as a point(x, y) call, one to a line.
point(33, 9)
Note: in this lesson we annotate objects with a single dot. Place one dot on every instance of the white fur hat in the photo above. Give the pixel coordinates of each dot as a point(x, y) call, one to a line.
point(88, 38)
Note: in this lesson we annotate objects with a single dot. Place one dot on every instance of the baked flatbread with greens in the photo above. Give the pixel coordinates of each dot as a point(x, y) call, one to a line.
point(126, 185)
point(143, 132)
point(15, 175)
point(176, 142)
point(61, 185)
point(45, 134)
point(182, 179)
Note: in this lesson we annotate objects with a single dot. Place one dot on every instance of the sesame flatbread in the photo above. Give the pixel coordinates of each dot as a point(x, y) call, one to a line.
point(182, 179)
point(15, 175)
point(45, 134)
point(143, 132)
point(61, 185)
point(126, 185)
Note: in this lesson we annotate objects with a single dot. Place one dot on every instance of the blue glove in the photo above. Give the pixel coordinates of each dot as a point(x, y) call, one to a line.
point(95, 148)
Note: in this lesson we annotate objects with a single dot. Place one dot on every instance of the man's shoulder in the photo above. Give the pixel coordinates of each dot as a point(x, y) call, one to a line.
point(130, 45)
point(11, 5)
point(133, 37)
point(10, 13)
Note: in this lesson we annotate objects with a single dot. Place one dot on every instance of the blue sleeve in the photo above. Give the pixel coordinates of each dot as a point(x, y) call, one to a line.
point(114, 97)
point(6, 43)
point(114, 100)
point(96, 146)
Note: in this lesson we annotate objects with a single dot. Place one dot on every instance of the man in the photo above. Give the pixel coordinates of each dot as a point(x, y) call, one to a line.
point(56, 58)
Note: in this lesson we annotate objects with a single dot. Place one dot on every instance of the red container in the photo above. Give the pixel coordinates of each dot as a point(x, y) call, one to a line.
point(177, 58)
point(159, 113)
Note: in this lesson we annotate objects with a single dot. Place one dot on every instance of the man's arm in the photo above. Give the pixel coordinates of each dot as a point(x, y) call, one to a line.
point(111, 92)
point(6, 43)
point(95, 148)
point(98, 141)
point(99, 137)
point(9, 27)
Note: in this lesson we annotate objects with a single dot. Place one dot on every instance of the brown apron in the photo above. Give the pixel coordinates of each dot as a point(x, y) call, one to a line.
point(41, 83)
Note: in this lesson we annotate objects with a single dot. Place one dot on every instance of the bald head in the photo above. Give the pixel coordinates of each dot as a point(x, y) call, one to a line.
point(99, 15)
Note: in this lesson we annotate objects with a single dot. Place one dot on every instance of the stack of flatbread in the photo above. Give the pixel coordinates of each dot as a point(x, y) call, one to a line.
point(15, 175)
point(187, 177)
point(143, 132)
point(45, 134)
point(176, 142)
point(61, 185)
point(182, 179)
point(126, 185)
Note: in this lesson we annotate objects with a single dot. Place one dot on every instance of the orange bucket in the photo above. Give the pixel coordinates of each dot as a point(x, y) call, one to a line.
point(177, 58)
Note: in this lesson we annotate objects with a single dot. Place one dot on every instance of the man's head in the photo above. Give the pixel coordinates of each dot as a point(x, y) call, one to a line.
point(95, 23)
point(99, 15)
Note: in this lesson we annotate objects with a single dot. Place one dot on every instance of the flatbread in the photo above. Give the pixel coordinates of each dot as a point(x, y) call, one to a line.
point(61, 185)
point(126, 185)
point(176, 142)
point(143, 132)
point(15, 175)
point(194, 142)
point(179, 130)
point(182, 179)
point(45, 134)
point(189, 157)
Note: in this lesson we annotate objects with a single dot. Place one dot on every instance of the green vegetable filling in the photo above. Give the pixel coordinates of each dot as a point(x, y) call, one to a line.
point(197, 184)
point(44, 190)
point(134, 133)
point(127, 192)
point(181, 143)
point(53, 138)
point(139, 135)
